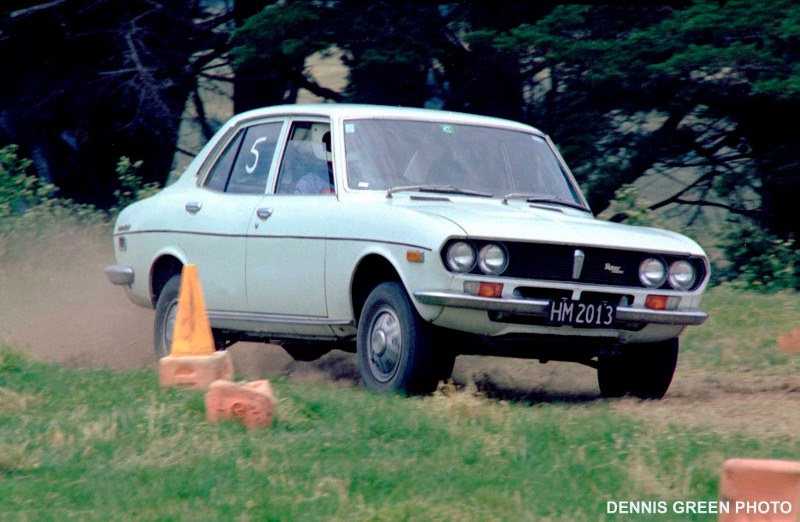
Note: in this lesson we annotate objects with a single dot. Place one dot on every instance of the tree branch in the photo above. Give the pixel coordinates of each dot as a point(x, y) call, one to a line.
point(20, 13)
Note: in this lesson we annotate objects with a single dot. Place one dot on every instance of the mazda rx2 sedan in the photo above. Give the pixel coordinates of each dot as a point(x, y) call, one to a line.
point(409, 236)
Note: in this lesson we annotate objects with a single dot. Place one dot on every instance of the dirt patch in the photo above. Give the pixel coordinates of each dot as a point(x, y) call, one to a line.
point(60, 308)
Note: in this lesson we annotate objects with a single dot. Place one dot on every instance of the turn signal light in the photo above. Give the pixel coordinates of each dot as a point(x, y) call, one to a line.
point(656, 302)
point(415, 256)
point(483, 289)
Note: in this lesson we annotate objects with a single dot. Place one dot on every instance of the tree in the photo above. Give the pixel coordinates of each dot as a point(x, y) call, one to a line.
point(702, 87)
point(87, 83)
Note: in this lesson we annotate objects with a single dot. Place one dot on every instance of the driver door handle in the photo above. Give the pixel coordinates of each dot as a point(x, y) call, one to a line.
point(193, 207)
point(264, 212)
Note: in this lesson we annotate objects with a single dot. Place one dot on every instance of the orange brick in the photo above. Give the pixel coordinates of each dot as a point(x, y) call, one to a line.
point(252, 402)
point(194, 371)
point(763, 490)
point(790, 342)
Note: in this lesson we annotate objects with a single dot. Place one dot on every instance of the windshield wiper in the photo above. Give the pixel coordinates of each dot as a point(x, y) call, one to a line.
point(532, 198)
point(439, 189)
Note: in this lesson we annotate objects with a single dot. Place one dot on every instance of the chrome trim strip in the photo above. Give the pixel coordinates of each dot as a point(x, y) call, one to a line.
point(120, 274)
point(577, 263)
point(538, 307)
point(254, 317)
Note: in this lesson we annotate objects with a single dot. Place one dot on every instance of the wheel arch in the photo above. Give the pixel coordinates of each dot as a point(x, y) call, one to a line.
point(162, 270)
point(371, 271)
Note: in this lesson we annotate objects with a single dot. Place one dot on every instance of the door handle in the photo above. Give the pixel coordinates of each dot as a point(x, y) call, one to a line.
point(264, 212)
point(193, 207)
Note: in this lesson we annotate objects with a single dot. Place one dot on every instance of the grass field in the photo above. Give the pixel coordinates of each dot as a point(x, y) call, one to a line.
point(93, 444)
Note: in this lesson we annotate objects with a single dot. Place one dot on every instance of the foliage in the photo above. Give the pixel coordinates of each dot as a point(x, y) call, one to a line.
point(760, 261)
point(630, 207)
point(131, 186)
point(19, 189)
point(31, 213)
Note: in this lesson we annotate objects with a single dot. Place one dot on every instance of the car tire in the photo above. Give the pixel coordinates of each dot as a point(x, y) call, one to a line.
point(395, 352)
point(166, 311)
point(643, 370)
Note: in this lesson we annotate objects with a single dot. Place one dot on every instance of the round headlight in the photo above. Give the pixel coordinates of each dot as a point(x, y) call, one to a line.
point(460, 256)
point(652, 272)
point(492, 259)
point(681, 275)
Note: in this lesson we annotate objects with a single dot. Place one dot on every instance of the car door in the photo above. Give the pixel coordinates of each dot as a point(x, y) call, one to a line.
point(286, 245)
point(219, 213)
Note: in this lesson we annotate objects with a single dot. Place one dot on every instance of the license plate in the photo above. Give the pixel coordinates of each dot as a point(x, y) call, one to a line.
point(581, 314)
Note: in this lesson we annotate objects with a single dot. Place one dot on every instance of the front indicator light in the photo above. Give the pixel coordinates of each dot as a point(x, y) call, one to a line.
point(661, 302)
point(482, 289)
point(415, 256)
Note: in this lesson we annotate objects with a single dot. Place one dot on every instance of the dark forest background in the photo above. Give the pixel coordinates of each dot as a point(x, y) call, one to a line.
point(686, 111)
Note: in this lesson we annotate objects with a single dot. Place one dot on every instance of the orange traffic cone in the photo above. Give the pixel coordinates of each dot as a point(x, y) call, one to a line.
point(193, 361)
point(192, 334)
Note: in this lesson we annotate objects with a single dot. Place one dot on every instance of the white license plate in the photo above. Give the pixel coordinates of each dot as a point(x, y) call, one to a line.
point(581, 314)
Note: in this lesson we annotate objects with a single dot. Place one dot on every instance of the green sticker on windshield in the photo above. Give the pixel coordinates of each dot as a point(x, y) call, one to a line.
point(449, 129)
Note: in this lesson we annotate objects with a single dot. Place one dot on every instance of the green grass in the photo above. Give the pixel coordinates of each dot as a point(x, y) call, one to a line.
point(742, 331)
point(95, 444)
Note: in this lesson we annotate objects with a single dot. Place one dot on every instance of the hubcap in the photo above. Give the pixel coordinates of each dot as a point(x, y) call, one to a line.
point(385, 344)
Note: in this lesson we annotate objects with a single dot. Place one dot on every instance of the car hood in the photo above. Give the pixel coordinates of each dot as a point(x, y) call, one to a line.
point(524, 222)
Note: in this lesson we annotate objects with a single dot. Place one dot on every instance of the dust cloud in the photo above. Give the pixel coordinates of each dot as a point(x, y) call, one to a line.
point(56, 305)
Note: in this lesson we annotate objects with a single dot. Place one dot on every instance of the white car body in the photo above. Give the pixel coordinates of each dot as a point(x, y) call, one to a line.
point(300, 266)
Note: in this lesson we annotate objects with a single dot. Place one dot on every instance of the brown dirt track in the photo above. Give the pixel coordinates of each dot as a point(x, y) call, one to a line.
point(60, 308)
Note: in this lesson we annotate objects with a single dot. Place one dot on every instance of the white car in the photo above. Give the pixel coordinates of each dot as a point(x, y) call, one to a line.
point(409, 236)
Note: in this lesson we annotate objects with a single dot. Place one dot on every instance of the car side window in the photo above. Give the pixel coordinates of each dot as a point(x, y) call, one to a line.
point(218, 177)
point(307, 166)
point(252, 165)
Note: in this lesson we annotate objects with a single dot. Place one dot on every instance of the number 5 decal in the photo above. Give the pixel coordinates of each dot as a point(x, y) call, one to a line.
point(254, 151)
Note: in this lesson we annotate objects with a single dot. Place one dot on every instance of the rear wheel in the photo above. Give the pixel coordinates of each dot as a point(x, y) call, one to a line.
point(643, 370)
point(394, 346)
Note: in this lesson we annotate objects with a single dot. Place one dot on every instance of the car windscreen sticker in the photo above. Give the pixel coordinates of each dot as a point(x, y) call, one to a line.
point(448, 129)
point(349, 128)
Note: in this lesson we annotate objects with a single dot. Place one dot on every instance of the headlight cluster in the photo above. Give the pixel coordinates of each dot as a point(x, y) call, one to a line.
point(463, 256)
point(653, 272)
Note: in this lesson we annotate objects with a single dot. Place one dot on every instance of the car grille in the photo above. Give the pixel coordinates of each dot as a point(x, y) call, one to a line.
point(601, 266)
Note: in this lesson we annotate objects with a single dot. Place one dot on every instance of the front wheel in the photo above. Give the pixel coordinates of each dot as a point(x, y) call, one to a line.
point(395, 353)
point(643, 370)
point(166, 312)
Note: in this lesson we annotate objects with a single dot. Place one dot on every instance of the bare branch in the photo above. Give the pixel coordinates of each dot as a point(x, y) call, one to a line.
point(20, 13)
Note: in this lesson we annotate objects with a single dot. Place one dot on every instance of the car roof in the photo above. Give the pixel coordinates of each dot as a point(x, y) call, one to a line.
point(341, 111)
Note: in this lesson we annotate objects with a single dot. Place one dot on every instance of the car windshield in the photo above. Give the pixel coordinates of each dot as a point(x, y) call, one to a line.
point(413, 155)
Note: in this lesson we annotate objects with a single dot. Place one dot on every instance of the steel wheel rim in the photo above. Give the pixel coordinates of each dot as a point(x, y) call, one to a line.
point(384, 344)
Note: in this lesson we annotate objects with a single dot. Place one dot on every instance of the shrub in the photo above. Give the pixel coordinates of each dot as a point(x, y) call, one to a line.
point(760, 260)
point(31, 212)
point(131, 188)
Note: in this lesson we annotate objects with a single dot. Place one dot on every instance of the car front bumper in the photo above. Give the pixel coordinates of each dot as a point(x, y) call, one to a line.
point(626, 315)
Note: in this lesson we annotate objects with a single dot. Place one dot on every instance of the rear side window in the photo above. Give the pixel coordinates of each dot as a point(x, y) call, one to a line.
point(218, 177)
point(245, 165)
